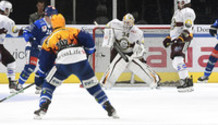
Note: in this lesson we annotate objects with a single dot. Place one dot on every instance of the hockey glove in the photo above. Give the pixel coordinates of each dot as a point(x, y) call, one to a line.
point(167, 42)
point(138, 50)
point(213, 31)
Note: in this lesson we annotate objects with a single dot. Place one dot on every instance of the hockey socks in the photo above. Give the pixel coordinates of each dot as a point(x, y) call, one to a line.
point(46, 93)
point(210, 65)
point(98, 93)
point(28, 69)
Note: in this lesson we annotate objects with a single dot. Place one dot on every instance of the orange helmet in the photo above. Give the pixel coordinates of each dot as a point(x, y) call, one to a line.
point(57, 21)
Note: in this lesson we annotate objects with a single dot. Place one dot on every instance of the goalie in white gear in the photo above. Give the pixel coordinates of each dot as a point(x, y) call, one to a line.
point(7, 26)
point(127, 43)
point(181, 35)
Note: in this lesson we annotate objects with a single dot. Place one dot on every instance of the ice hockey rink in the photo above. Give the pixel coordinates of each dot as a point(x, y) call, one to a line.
point(72, 105)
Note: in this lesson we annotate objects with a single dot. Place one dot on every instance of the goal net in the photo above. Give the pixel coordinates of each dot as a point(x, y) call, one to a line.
point(157, 56)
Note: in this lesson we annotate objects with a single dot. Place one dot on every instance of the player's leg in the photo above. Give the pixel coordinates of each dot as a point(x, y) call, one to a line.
point(185, 81)
point(9, 61)
point(44, 67)
point(144, 72)
point(117, 66)
point(210, 65)
point(31, 62)
point(90, 82)
point(54, 79)
point(177, 56)
point(59, 73)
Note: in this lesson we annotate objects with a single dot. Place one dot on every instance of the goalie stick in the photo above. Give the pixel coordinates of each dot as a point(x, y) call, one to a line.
point(14, 94)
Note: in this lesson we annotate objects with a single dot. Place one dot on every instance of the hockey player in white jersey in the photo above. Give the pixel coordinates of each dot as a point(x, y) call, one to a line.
point(181, 35)
point(127, 43)
point(7, 26)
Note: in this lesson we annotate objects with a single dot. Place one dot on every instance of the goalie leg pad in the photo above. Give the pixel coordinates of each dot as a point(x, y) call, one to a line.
point(144, 72)
point(179, 65)
point(117, 66)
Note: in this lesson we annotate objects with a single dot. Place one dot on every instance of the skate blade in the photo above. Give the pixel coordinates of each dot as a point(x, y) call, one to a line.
point(115, 117)
point(12, 90)
point(188, 89)
point(37, 117)
point(205, 81)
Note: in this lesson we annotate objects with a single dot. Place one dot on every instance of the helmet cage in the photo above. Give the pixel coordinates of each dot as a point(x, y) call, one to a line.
point(128, 22)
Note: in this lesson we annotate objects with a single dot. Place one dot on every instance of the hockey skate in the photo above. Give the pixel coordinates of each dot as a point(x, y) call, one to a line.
point(42, 110)
point(38, 89)
point(12, 85)
point(186, 85)
point(110, 110)
point(203, 79)
point(18, 87)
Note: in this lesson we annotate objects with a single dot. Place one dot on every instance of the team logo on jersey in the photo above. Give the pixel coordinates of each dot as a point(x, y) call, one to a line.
point(44, 28)
point(188, 23)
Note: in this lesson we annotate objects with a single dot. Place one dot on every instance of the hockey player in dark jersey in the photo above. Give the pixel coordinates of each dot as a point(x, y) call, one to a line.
point(213, 57)
point(34, 35)
point(68, 48)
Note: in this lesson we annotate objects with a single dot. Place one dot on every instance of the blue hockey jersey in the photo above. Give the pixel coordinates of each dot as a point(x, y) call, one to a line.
point(37, 32)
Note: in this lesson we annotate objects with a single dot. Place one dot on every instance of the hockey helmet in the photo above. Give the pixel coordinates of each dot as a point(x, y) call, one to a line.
point(128, 21)
point(184, 2)
point(50, 10)
point(6, 7)
point(57, 21)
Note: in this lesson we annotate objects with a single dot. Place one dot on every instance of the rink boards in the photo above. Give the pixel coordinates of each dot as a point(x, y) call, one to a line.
point(157, 58)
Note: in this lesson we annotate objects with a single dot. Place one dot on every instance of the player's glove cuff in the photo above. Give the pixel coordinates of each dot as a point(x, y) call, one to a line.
point(167, 42)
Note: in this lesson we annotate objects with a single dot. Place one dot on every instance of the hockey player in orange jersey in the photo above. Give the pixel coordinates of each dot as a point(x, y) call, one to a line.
point(68, 48)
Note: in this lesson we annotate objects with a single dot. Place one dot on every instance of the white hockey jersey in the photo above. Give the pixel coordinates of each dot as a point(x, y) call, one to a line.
point(9, 25)
point(126, 39)
point(181, 20)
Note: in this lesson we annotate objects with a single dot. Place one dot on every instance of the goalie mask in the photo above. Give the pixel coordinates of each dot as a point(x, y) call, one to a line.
point(128, 22)
point(6, 7)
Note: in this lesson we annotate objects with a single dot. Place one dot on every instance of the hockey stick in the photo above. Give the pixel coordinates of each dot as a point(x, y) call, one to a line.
point(12, 95)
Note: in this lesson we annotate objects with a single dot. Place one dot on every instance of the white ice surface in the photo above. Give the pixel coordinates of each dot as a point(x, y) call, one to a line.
point(72, 105)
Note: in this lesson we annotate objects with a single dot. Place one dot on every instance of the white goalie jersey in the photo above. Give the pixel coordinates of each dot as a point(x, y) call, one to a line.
point(126, 40)
point(131, 44)
point(182, 20)
point(9, 25)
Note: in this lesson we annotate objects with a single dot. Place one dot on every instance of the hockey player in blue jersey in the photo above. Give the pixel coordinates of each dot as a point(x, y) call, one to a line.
point(34, 35)
point(213, 57)
point(70, 47)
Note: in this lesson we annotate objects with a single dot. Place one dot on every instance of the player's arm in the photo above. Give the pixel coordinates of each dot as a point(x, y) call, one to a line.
point(213, 28)
point(188, 24)
point(13, 29)
point(86, 40)
point(30, 32)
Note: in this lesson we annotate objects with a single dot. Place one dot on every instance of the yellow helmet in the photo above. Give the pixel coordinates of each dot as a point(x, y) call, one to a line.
point(57, 21)
point(128, 22)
